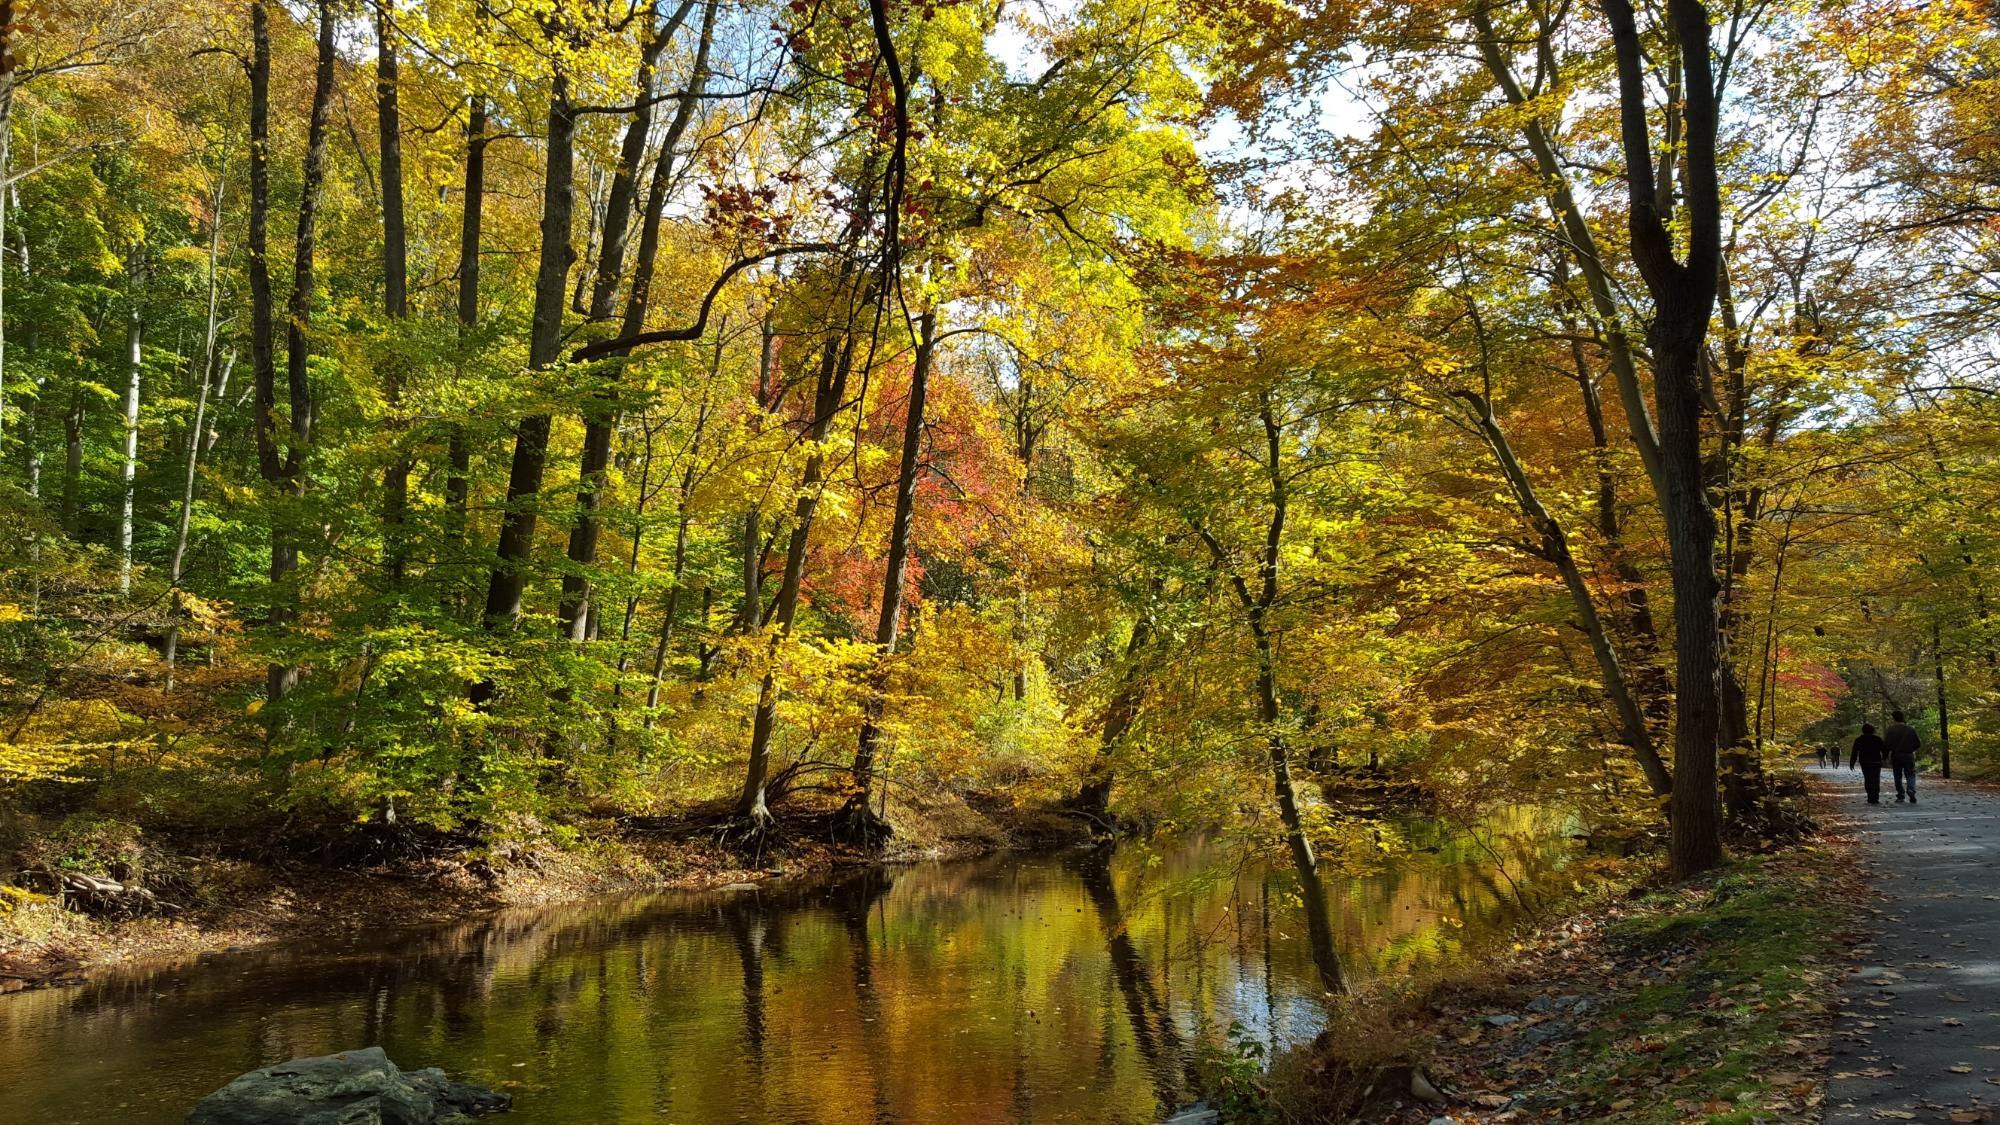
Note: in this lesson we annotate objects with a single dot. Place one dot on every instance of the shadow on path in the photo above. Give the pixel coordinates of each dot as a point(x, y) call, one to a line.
point(1918, 1033)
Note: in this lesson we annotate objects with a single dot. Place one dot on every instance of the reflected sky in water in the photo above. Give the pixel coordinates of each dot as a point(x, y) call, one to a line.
point(1064, 988)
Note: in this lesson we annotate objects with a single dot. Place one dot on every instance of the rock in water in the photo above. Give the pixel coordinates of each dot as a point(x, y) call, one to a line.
point(351, 1088)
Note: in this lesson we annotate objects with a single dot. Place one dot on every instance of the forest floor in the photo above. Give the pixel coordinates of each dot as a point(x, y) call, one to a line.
point(230, 900)
point(1708, 1001)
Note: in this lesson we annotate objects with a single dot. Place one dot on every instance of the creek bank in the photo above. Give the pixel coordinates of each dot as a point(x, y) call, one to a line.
point(1710, 1001)
point(227, 899)
point(348, 1088)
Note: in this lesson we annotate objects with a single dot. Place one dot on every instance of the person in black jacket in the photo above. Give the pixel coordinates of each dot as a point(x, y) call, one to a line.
point(1869, 752)
point(1903, 745)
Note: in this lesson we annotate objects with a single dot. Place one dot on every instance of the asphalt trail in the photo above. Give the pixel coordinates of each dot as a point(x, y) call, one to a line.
point(1918, 1034)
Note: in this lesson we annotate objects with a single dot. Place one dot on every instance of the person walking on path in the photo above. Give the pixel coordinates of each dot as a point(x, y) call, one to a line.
point(1903, 745)
point(1869, 751)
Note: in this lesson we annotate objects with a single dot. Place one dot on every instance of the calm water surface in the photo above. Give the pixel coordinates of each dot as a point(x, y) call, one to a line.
point(1012, 989)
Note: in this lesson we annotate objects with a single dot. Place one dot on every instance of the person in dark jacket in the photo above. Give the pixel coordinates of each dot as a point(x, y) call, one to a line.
point(1903, 746)
point(1869, 751)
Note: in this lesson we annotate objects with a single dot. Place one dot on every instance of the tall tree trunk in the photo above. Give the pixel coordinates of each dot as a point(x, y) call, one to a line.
point(1257, 607)
point(1555, 548)
point(835, 362)
point(395, 290)
point(458, 475)
point(1582, 245)
point(1641, 635)
point(509, 576)
point(289, 473)
point(209, 389)
point(129, 476)
point(623, 195)
point(72, 488)
point(8, 29)
point(601, 416)
point(1683, 300)
point(858, 820)
point(1943, 700)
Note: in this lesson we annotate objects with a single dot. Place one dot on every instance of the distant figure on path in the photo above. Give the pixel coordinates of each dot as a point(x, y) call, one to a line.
point(1821, 751)
point(1903, 745)
point(1868, 752)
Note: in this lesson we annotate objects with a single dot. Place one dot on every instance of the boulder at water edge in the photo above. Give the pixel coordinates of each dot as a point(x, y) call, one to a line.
point(351, 1088)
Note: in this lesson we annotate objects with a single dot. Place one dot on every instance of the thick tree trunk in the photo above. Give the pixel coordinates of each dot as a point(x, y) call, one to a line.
point(509, 576)
point(858, 817)
point(1683, 300)
point(395, 291)
point(284, 548)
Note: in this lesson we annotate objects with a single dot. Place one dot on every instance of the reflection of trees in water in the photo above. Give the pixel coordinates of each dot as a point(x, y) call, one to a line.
point(853, 901)
point(1153, 1029)
point(747, 930)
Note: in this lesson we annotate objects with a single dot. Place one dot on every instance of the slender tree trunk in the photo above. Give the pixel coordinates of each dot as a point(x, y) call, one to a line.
point(1943, 700)
point(623, 195)
point(858, 816)
point(395, 291)
point(834, 366)
point(1582, 245)
point(1555, 548)
point(209, 388)
point(8, 29)
point(129, 477)
point(575, 611)
point(682, 516)
point(72, 464)
point(1257, 607)
point(458, 476)
point(1094, 797)
point(1648, 675)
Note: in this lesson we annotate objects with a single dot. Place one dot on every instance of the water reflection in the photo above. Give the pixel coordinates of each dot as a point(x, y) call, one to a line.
point(1038, 989)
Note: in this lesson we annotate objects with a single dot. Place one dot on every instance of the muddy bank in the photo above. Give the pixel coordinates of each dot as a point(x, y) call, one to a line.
point(216, 898)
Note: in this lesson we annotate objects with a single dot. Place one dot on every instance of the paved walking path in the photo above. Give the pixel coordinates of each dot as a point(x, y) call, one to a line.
point(1918, 1035)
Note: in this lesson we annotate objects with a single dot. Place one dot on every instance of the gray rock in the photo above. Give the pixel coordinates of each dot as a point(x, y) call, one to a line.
point(1501, 1021)
point(351, 1088)
point(1545, 1032)
point(1541, 1004)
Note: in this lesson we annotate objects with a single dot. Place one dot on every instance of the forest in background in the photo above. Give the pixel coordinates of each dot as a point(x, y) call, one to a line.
point(469, 414)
